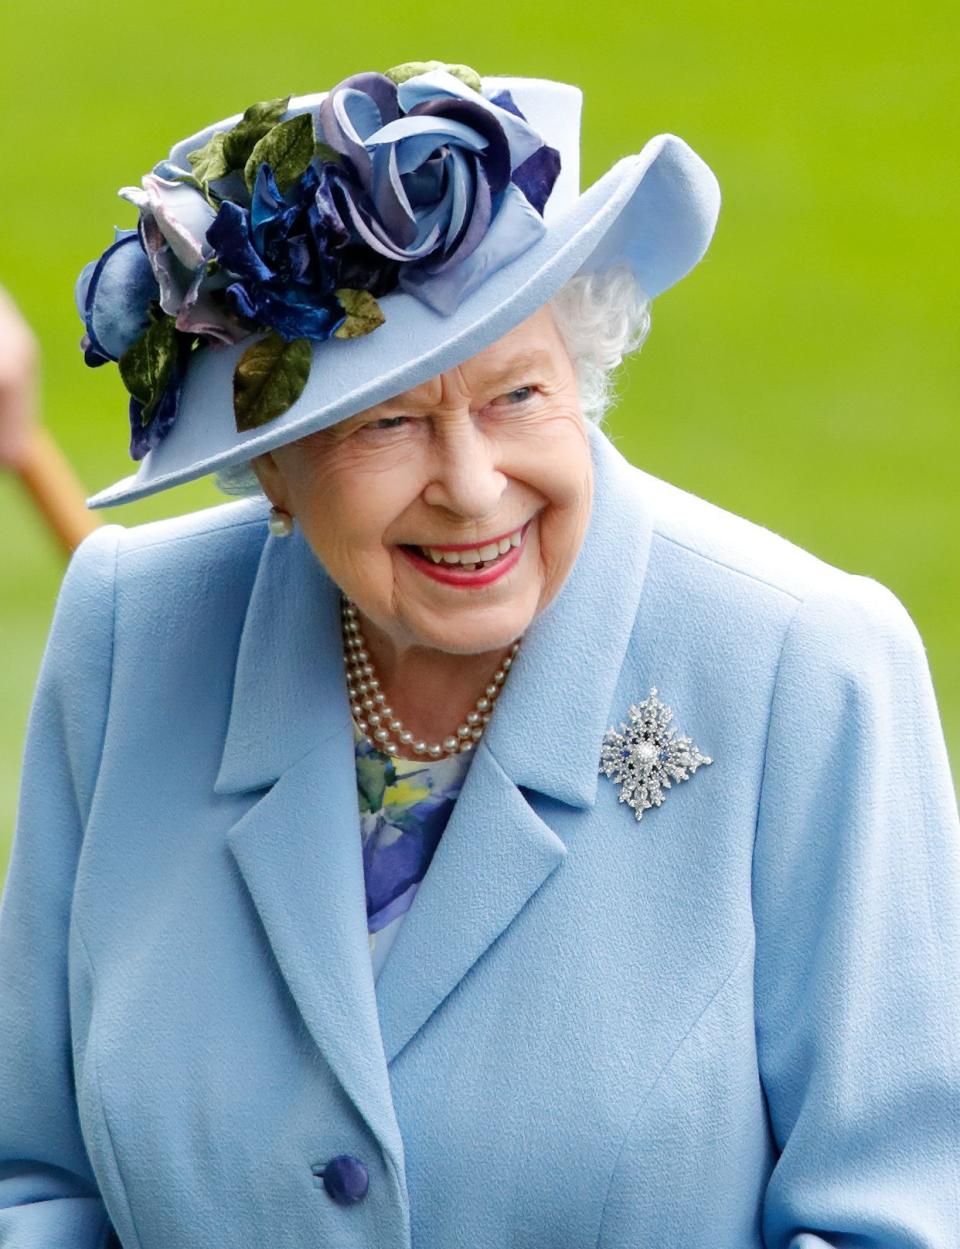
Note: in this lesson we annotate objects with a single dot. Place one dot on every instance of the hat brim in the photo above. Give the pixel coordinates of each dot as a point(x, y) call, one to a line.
point(656, 210)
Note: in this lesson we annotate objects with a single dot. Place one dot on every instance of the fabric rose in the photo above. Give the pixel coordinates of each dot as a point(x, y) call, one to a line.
point(431, 179)
point(287, 255)
point(174, 219)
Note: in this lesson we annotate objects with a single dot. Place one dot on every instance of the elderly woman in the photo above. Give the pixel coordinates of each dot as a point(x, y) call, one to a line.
point(470, 840)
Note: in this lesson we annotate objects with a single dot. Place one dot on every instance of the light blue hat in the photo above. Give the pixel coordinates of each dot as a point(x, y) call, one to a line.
point(361, 241)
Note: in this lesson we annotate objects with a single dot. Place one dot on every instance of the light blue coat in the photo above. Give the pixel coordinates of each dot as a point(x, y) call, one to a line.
point(733, 1024)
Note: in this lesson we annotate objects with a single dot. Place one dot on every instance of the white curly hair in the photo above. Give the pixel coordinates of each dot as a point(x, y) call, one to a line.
point(601, 316)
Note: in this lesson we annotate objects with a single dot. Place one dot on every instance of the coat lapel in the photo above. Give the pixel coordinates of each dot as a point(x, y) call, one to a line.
point(298, 845)
point(496, 852)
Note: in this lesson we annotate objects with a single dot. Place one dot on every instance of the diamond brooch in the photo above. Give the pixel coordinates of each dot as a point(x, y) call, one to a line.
point(646, 756)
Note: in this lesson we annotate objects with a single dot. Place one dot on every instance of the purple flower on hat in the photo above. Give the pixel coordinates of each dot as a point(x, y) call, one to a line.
point(433, 164)
point(174, 219)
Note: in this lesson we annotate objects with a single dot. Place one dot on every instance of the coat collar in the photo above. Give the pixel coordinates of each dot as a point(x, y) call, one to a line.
point(298, 844)
point(288, 690)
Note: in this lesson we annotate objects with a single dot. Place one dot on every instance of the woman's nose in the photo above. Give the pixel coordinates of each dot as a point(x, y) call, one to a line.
point(466, 478)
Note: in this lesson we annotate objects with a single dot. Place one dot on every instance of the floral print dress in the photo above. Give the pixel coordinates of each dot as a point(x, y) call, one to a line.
point(404, 808)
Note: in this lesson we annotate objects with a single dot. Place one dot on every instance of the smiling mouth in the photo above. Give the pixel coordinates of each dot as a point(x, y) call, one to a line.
point(471, 558)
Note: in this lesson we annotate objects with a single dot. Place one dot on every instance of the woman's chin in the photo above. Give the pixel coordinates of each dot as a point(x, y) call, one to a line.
point(469, 617)
point(479, 631)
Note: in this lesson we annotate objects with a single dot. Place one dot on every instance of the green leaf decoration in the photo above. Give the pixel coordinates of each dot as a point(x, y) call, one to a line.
point(363, 313)
point(410, 69)
point(210, 161)
point(258, 120)
point(146, 366)
point(227, 150)
point(265, 115)
point(287, 149)
point(269, 379)
point(323, 151)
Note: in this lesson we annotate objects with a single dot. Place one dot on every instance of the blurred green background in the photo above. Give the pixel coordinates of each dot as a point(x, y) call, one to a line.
point(805, 375)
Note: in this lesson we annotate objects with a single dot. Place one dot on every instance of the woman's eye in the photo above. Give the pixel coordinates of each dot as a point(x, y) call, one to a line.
point(386, 422)
point(520, 395)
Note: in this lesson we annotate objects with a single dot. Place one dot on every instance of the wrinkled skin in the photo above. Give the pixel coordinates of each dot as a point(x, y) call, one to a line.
point(470, 454)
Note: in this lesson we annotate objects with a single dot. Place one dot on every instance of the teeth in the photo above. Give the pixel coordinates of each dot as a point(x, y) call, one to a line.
point(469, 559)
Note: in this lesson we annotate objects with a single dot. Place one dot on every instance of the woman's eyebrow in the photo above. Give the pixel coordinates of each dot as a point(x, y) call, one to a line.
point(516, 366)
point(508, 370)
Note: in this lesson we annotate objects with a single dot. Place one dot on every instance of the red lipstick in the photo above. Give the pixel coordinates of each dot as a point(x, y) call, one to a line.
point(455, 574)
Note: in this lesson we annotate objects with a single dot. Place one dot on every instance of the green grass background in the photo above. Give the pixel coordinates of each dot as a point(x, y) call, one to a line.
point(805, 375)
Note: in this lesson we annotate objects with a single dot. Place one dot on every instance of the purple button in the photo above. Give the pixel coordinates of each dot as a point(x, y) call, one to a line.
point(345, 1179)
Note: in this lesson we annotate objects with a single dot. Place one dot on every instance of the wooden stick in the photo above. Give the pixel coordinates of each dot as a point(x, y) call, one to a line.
point(56, 490)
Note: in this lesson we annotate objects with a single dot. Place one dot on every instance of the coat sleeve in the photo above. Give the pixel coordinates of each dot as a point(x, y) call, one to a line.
point(48, 1193)
point(856, 888)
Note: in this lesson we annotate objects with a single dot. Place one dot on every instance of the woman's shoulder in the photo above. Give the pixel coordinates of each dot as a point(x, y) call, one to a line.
point(713, 557)
point(706, 531)
point(153, 580)
point(228, 526)
point(746, 548)
point(177, 546)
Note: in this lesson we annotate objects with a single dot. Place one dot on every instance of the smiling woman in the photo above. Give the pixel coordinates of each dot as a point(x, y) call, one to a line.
point(364, 890)
point(453, 465)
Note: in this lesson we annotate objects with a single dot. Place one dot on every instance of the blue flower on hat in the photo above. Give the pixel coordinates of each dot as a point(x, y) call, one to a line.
point(287, 255)
point(113, 294)
point(435, 161)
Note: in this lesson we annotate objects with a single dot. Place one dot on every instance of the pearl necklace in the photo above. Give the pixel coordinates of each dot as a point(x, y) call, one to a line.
point(376, 720)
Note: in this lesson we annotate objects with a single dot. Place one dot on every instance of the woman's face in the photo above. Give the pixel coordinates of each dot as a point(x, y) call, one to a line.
point(451, 514)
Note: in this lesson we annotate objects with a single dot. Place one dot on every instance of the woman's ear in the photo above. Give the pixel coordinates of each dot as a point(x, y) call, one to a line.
point(271, 479)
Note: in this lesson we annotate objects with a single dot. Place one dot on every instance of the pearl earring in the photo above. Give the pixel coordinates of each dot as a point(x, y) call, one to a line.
point(280, 523)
